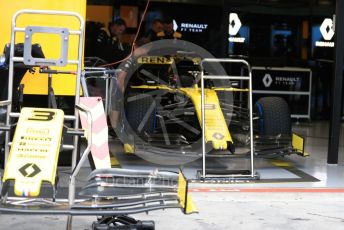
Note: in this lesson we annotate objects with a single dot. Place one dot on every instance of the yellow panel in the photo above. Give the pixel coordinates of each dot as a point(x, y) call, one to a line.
point(298, 144)
point(216, 130)
point(114, 162)
point(129, 148)
point(230, 89)
point(37, 83)
point(185, 200)
point(35, 150)
point(280, 163)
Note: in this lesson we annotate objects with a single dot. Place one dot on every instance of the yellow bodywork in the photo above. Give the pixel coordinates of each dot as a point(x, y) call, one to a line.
point(216, 131)
point(298, 144)
point(185, 200)
point(35, 149)
point(128, 148)
point(37, 83)
point(229, 89)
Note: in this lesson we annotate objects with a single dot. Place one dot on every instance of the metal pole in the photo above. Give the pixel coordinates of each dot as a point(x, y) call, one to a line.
point(224, 30)
point(109, 99)
point(10, 89)
point(84, 157)
point(333, 145)
point(251, 120)
point(84, 85)
point(50, 85)
point(77, 91)
point(107, 96)
point(203, 125)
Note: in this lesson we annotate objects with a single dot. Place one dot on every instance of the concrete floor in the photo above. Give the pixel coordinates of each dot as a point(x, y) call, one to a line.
point(288, 205)
point(224, 211)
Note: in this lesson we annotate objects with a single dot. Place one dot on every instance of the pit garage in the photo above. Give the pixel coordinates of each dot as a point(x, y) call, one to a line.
point(152, 114)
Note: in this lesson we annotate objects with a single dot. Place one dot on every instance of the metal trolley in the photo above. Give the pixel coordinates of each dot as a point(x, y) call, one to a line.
point(249, 174)
point(29, 60)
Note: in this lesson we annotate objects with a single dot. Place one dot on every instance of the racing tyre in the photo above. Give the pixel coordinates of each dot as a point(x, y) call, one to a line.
point(274, 116)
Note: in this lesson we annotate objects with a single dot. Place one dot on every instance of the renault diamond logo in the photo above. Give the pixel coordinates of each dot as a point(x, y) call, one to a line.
point(175, 25)
point(326, 29)
point(218, 136)
point(234, 24)
point(29, 170)
point(267, 80)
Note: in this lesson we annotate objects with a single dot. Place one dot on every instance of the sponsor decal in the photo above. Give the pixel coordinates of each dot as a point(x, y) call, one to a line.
point(190, 27)
point(279, 80)
point(29, 170)
point(218, 136)
point(154, 60)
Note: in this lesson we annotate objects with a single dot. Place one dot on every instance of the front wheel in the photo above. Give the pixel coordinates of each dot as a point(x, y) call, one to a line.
point(274, 116)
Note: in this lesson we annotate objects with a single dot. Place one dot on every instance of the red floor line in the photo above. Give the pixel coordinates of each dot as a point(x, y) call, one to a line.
point(287, 190)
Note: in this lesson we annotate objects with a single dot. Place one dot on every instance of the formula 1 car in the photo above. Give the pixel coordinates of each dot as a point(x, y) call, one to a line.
point(163, 113)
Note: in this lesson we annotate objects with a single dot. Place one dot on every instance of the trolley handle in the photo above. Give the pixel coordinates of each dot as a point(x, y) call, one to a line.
point(102, 72)
point(54, 71)
point(48, 12)
point(227, 60)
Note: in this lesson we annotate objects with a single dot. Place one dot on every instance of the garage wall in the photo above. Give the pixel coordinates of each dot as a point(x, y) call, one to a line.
point(99, 13)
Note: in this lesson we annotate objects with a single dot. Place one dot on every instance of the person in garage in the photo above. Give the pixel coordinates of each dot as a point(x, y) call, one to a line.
point(168, 32)
point(157, 27)
point(109, 45)
point(127, 68)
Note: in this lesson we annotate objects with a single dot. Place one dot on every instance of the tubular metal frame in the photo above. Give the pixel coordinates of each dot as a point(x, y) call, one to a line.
point(75, 118)
point(78, 62)
point(218, 77)
point(105, 74)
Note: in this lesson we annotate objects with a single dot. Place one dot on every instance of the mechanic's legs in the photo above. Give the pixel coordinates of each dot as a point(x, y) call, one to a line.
point(114, 115)
point(117, 108)
point(119, 126)
point(117, 98)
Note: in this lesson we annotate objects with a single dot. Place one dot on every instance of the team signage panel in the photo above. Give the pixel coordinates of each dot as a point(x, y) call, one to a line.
point(281, 80)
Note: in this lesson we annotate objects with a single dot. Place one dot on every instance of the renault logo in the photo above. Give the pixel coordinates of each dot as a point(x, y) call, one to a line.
point(218, 136)
point(175, 25)
point(29, 170)
point(234, 24)
point(326, 29)
point(267, 80)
